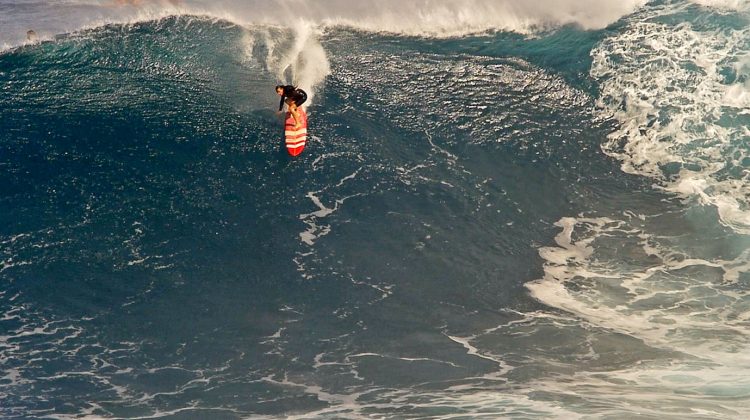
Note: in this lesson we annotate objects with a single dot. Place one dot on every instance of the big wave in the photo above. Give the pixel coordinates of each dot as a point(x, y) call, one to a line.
point(303, 61)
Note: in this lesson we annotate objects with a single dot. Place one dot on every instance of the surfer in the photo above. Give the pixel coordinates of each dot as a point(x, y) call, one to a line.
point(294, 98)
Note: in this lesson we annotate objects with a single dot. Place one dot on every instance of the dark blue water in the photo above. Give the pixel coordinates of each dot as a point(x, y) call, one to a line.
point(162, 256)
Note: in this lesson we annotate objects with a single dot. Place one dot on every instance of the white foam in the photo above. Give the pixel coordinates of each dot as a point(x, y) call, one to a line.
point(405, 359)
point(724, 4)
point(679, 112)
point(647, 290)
point(315, 231)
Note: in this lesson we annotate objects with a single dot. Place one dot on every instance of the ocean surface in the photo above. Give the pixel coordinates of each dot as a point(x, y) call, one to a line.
point(504, 210)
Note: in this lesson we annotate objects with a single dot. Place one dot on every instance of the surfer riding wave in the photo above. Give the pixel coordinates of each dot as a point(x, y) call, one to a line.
point(294, 98)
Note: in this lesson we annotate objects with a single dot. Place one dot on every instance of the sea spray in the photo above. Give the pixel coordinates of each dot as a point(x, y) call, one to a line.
point(305, 64)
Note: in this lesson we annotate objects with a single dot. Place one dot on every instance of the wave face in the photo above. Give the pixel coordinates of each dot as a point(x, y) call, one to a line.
point(415, 17)
point(517, 212)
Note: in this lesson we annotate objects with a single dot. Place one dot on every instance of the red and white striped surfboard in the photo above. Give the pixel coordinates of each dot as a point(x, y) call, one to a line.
point(295, 139)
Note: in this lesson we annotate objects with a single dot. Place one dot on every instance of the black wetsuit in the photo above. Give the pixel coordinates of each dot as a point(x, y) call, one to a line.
point(299, 96)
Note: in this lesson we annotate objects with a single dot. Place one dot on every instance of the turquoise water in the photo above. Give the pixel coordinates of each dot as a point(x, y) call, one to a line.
point(544, 222)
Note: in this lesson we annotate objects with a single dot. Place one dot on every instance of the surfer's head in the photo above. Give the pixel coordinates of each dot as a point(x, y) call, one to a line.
point(280, 89)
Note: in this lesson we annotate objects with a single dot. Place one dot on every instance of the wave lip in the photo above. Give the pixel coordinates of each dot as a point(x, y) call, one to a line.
point(455, 18)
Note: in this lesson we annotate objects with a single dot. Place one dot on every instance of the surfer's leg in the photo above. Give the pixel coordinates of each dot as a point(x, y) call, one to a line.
point(295, 114)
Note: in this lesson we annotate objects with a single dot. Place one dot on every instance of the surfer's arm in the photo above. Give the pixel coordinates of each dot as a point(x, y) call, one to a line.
point(281, 103)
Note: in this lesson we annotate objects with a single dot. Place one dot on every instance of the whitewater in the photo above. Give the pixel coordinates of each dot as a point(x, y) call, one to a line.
point(505, 209)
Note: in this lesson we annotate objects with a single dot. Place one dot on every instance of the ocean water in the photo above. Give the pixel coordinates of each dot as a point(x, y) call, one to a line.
point(504, 210)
